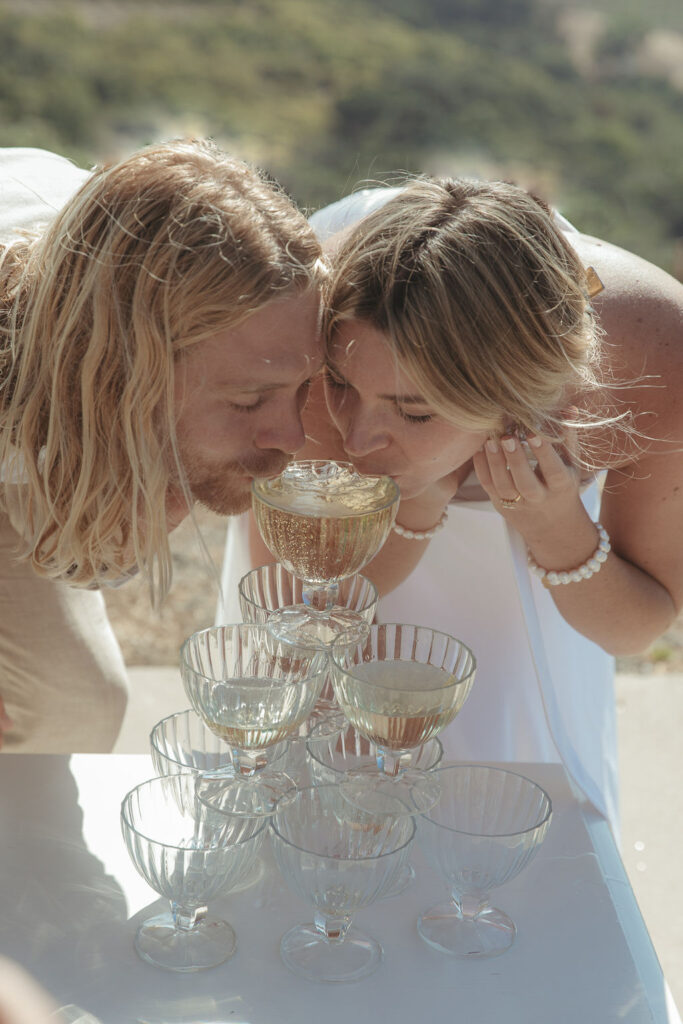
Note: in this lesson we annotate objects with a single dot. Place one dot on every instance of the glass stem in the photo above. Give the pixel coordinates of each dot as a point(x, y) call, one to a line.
point(388, 762)
point(246, 762)
point(320, 598)
point(333, 929)
point(185, 919)
point(470, 904)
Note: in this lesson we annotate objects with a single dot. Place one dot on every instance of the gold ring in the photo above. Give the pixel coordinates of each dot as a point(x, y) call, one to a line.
point(510, 502)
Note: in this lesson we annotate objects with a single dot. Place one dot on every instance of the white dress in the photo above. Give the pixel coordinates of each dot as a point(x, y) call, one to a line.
point(542, 692)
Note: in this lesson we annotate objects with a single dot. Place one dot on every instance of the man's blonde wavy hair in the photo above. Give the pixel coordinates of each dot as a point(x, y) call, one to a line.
point(150, 256)
point(484, 303)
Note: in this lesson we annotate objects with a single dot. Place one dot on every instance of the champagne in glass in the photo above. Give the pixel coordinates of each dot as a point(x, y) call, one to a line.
point(323, 521)
point(252, 691)
point(271, 587)
point(251, 714)
point(414, 713)
point(399, 687)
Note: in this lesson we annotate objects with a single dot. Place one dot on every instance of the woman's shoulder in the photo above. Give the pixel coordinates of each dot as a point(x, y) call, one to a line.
point(623, 272)
point(640, 310)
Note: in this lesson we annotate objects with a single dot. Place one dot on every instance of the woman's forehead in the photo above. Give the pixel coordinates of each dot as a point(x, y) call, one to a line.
point(360, 350)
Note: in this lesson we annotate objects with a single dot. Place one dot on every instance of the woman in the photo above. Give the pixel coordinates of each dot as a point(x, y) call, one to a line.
point(537, 438)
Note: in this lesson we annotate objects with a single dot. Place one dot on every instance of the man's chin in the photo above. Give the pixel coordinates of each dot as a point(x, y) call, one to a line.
point(228, 491)
point(225, 506)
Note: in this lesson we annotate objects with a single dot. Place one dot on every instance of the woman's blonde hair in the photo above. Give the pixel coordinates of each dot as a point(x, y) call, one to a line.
point(482, 300)
point(151, 255)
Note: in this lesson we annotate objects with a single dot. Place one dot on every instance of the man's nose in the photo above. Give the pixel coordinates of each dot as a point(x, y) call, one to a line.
point(284, 431)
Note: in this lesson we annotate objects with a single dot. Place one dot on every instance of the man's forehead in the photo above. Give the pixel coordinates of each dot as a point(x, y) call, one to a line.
point(267, 373)
point(259, 358)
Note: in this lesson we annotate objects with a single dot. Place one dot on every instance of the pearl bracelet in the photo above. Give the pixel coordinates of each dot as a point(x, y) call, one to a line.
point(552, 578)
point(422, 534)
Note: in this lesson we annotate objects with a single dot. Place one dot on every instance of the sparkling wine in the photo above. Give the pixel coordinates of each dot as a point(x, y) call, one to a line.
point(406, 704)
point(324, 521)
point(253, 713)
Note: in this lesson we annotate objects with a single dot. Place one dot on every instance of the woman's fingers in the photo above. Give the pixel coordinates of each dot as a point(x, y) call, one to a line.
point(534, 469)
point(555, 472)
point(509, 470)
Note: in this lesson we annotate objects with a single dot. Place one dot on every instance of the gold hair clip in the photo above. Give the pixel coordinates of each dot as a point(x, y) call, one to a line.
point(593, 283)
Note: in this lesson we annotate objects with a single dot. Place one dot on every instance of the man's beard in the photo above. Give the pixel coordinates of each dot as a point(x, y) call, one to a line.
point(223, 488)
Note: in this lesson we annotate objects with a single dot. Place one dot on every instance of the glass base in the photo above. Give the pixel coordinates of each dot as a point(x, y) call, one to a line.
point(306, 952)
point(488, 934)
point(309, 628)
point(398, 882)
point(209, 943)
point(411, 792)
point(234, 798)
point(245, 796)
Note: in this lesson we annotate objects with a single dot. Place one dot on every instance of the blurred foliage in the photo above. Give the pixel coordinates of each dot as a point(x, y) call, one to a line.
point(324, 94)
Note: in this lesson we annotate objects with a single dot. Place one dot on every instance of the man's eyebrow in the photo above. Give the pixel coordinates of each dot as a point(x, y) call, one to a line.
point(251, 387)
point(267, 385)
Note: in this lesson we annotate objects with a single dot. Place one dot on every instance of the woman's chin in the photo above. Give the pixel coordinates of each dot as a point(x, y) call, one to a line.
point(408, 488)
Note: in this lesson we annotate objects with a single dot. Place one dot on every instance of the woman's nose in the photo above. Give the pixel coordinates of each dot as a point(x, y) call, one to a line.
point(364, 434)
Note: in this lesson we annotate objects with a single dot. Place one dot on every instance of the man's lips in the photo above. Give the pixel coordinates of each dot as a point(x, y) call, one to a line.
point(266, 467)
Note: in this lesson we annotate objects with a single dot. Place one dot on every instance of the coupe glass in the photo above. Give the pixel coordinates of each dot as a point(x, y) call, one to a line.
point(484, 830)
point(186, 859)
point(338, 860)
point(323, 521)
point(331, 758)
point(271, 588)
point(399, 687)
point(253, 691)
point(183, 742)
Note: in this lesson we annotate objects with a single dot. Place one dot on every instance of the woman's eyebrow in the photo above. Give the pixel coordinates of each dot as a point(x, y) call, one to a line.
point(406, 399)
point(398, 399)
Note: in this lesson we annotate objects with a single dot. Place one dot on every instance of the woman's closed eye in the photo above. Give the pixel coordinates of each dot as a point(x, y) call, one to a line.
point(413, 418)
point(333, 382)
point(252, 407)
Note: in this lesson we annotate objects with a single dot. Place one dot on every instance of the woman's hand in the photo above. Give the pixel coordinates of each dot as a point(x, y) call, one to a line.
point(528, 478)
point(538, 493)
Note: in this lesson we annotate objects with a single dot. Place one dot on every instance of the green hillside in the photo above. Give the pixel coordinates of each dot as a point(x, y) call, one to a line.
point(325, 93)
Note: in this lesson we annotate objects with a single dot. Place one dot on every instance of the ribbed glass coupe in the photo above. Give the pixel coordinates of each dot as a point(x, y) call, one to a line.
point(253, 691)
point(323, 521)
point(399, 688)
point(487, 825)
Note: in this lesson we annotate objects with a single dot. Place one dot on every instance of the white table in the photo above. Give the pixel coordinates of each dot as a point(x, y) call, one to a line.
point(70, 902)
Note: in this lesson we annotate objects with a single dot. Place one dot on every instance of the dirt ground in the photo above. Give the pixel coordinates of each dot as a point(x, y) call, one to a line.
point(148, 637)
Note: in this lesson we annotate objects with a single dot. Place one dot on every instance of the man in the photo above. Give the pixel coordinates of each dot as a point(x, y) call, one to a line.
point(156, 343)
